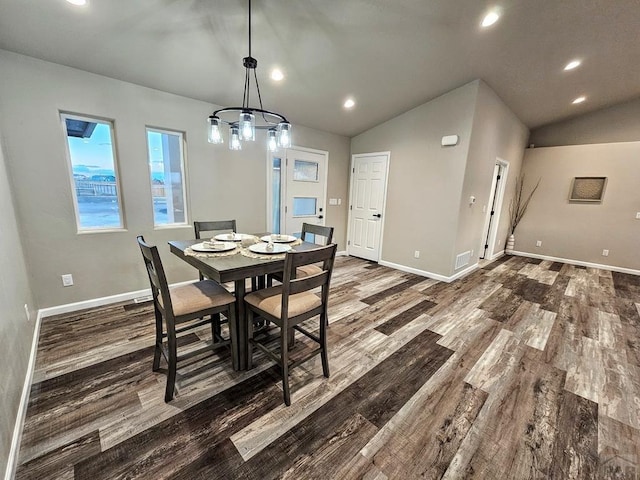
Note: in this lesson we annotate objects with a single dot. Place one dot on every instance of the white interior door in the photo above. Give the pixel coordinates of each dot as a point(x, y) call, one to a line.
point(368, 192)
point(493, 209)
point(304, 189)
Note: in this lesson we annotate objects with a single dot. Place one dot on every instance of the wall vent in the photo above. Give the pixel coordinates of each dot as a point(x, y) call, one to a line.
point(463, 259)
point(145, 298)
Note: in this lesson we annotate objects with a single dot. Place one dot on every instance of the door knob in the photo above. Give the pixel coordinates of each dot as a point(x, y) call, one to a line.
point(377, 215)
point(320, 216)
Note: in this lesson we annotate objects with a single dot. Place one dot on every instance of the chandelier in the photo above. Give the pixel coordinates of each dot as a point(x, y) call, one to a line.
point(245, 120)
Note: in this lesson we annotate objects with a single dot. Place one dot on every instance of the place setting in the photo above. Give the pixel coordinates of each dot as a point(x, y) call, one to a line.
point(272, 246)
point(213, 248)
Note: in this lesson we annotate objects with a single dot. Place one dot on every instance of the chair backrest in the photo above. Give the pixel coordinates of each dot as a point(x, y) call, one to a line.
point(214, 226)
point(293, 260)
point(309, 229)
point(157, 277)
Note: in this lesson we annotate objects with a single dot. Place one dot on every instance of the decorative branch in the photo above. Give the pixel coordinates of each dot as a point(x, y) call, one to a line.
point(520, 202)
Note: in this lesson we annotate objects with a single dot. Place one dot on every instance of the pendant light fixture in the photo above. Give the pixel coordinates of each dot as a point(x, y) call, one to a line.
point(243, 121)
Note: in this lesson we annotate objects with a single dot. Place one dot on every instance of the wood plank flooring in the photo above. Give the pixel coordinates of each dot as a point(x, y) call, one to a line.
point(523, 369)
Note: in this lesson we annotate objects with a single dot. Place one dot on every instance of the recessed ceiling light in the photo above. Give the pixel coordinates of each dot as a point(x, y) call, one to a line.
point(276, 74)
point(572, 64)
point(79, 3)
point(579, 100)
point(349, 103)
point(490, 18)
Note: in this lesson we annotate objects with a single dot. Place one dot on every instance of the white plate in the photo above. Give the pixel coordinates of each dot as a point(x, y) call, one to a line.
point(227, 237)
point(279, 238)
point(262, 248)
point(199, 247)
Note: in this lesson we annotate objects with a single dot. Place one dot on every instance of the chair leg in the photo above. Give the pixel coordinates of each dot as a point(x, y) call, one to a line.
point(216, 331)
point(269, 281)
point(249, 339)
point(231, 322)
point(284, 358)
point(323, 344)
point(171, 372)
point(157, 353)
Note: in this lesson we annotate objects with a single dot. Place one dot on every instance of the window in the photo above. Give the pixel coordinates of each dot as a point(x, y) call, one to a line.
point(94, 173)
point(166, 167)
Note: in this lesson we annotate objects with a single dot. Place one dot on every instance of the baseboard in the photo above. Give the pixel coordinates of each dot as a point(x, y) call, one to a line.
point(496, 256)
point(424, 273)
point(341, 253)
point(98, 302)
point(12, 461)
point(613, 268)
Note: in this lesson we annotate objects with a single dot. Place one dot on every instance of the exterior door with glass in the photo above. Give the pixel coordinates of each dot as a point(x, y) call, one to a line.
point(303, 191)
point(368, 194)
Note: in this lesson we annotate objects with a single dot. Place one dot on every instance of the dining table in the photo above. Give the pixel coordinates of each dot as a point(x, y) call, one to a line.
point(236, 268)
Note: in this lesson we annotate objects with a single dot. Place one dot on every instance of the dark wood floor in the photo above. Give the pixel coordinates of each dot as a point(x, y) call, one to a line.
point(523, 369)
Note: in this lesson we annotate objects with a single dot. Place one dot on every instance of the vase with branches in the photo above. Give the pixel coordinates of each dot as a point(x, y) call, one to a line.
point(518, 207)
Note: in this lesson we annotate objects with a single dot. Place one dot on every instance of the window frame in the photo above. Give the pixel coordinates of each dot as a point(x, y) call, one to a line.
point(183, 172)
point(80, 230)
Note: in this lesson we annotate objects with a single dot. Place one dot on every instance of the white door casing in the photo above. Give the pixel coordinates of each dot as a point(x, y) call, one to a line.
point(367, 197)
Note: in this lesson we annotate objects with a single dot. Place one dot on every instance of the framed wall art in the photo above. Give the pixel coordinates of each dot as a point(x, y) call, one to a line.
point(587, 189)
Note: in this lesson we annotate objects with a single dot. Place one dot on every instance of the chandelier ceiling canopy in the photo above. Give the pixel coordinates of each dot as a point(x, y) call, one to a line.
point(245, 120)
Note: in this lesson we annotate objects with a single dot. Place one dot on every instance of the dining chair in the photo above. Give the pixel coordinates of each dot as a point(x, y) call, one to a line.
point(310, 233)
point(184, 308)
point(215, 226)
point(290, 304)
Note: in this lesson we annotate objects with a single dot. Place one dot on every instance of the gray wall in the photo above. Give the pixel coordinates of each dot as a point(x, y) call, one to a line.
point(620, 123)
point(581, 231)
point(497, 133)
point(429, 185)
point(425, 179)
point(221, 184)
point(16, 333)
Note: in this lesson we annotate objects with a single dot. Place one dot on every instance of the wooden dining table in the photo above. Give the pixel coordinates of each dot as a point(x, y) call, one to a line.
point(237, 269)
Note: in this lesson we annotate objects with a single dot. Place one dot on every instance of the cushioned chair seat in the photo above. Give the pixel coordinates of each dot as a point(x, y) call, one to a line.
point(307, 271)
point(197, 296)
point(269, 300)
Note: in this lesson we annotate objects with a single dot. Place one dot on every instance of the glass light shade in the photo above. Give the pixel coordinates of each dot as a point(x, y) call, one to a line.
point(272, 140)
point(247, 125)
point(284, 135)
point(234, 139)
point(215, 135)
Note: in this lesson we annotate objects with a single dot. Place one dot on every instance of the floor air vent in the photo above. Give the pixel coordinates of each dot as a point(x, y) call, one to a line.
point(463, 259)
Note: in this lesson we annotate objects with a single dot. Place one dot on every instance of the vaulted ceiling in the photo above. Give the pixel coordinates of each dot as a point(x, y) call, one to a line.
point(389, 55)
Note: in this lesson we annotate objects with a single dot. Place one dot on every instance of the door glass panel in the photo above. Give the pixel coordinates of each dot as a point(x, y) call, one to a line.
point(304, 206)
point(276, 189)
point(304, 171)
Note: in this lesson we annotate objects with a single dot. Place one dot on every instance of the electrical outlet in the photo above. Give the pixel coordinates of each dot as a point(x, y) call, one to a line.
point(605, 253)
point(26, 311)
point(538, 243)
point(416, 254)
point(67, 280)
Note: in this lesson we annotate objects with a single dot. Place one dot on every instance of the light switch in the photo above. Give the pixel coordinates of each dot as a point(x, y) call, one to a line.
point(333, 201)
point(637, 215)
